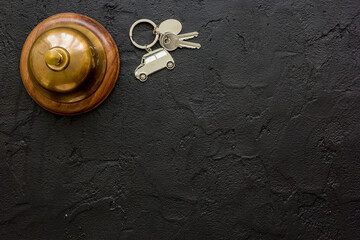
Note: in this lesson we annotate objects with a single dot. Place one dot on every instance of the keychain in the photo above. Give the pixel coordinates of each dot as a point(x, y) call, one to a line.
point(167, 33)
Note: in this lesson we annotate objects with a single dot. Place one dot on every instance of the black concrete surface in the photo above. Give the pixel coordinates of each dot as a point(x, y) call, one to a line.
point(254, 136)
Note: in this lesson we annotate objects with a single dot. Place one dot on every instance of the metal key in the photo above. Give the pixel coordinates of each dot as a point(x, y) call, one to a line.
point(170, 41)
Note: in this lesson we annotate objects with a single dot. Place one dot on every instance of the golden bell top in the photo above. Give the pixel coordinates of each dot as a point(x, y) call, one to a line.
point(57, 58)
point(61, 59)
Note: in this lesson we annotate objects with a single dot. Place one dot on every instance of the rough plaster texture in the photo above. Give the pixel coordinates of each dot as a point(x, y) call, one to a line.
point(255, 136)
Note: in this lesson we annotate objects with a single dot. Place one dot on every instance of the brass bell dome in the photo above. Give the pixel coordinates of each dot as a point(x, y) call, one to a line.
point(61, 59)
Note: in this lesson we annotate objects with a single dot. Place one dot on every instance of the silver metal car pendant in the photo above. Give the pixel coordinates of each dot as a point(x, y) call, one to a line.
point(152, 62)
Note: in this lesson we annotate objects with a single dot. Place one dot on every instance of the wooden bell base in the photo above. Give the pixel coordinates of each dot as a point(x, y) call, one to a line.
point(44, 97)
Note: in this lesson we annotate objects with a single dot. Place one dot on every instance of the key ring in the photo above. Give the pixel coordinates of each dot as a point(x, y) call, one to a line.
point(147, 46)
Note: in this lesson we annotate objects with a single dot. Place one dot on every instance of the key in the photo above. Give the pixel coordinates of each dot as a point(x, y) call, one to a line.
point(171, 26)
point(171, 41)
point(185, 36)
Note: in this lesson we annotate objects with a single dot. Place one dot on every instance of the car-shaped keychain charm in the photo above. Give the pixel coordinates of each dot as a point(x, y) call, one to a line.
point(152, 62)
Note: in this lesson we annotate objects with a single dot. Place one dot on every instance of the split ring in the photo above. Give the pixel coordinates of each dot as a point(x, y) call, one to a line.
point(147, 46)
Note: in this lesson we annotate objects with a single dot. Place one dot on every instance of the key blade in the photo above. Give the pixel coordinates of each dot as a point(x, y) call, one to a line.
point(192, 45)
point(189, 35)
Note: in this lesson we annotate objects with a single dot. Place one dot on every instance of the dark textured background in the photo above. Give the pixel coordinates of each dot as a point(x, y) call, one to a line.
point(254, 136)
